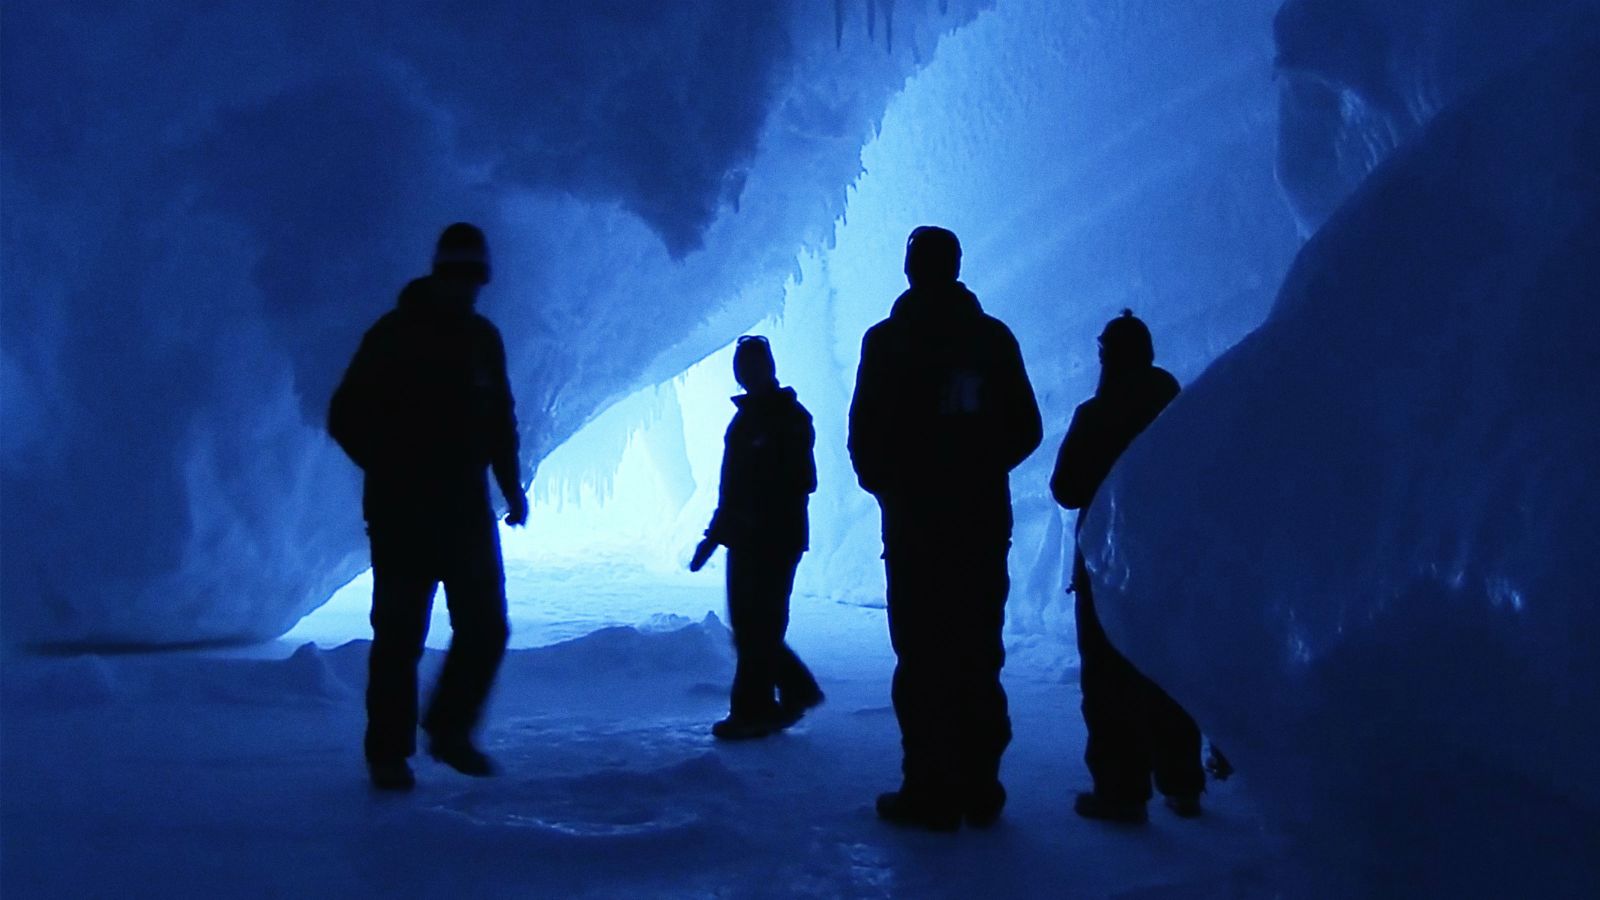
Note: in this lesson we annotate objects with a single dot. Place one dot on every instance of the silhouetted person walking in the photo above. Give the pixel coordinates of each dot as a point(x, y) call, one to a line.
point(942, 413)
point(768, 476)
point(424, 409)
point(1135, 729)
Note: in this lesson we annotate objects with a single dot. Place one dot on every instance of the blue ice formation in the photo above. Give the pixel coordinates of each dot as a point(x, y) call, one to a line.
point(1361, 547)
point(206, 204)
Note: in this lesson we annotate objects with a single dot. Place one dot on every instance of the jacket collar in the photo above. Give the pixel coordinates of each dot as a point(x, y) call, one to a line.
point(784, 396)
point(950, 302)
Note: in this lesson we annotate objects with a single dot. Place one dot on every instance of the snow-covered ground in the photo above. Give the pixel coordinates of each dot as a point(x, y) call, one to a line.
point(238, 773)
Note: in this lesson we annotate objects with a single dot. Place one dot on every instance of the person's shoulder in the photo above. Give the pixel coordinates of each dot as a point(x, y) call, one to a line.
point(389, 320)
point(386, 329)
point(880, 332)
point(1164, 381)
point(482, 327)
point(996, 332)
point(894, 322)
point(797, 409)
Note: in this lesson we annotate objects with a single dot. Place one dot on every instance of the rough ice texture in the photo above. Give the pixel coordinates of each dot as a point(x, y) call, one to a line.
point(1361, 548)
point(1044, 134)
point(1091, 156)
point(1359, 78)
point(206, 204)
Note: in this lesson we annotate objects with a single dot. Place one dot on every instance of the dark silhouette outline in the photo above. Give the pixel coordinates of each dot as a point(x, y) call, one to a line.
point(424, 409)
point(942, 412)
point(1135, 731)
point(768, 476)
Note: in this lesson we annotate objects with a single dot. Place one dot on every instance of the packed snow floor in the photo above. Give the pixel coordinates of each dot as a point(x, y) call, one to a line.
point(239, 774)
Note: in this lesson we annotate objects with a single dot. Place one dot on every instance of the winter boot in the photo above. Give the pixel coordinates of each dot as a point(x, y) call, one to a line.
point(982, 805)
point(793, 708)
point(391, 775)
point(1098, 806)
point(747, 728)
point(460, 754)
point(1187, 806)
point(914, 811)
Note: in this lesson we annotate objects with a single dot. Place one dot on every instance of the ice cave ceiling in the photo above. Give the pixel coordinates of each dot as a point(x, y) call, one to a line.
point(206, 203)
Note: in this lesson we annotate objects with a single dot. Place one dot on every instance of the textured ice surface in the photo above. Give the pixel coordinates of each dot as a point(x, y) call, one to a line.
point(1359, 78)
point(206, 204)
point(218, 201)
point(1361, 548)
point(1091, 156)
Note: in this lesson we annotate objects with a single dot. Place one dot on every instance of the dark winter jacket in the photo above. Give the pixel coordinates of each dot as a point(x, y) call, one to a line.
point(425, 408)
point(1102, 428)
point(942, 413)
point(768, 475)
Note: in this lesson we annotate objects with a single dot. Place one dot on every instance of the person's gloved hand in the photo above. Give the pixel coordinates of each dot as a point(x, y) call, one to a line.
point(518, 514)
point(702, 554)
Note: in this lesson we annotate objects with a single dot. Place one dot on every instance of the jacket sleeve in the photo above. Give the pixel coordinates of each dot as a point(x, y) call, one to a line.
point(721, 527)
point(869, 414)
point(353, 413)
point(805, 447)
point(1019, 427)
point(504, 445)
point(1079, 467)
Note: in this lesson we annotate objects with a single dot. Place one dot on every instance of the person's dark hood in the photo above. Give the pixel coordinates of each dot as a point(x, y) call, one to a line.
point(945, 303)
point(767, 400)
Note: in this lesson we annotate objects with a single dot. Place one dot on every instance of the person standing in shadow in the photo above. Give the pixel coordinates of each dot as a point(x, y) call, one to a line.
point(768, 476)
point(1135, 730)
point(424, 409)
point(943, 411)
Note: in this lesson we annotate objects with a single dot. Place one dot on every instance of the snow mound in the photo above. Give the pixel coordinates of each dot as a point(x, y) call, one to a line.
point(703, 648)
point(1361, 548)
point(58, 683)
point(309, 675)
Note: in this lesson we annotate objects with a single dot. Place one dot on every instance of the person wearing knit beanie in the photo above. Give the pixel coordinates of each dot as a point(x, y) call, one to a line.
point(426, 411)
point(462, 252)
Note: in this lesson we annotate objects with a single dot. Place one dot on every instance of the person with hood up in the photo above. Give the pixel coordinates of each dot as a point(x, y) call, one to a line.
point(768, 476)
point(424, 409)
point(943, 411)
point(1135, 731)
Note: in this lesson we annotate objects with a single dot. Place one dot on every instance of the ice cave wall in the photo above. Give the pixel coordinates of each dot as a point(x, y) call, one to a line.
point(1091, 157)
point(1360, 548)
point(1360, 78)
point(206, 203)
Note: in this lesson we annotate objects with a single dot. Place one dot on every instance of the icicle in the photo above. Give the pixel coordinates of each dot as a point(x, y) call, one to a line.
point(888, 25)
point(872, 20)
point(838, 24)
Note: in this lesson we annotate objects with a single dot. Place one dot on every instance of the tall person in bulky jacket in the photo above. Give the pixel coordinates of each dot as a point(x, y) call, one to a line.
point(425, 409)
point(943, 411)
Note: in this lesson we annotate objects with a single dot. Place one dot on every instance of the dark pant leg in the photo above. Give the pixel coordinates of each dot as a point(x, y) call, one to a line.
point(1174, 745)
point(403, 585)
point(977, 623)
point(796, 684)
point(925, 687)
point(758, 610)
point(475, 591)
point(1114, 705)
point(794, 681)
